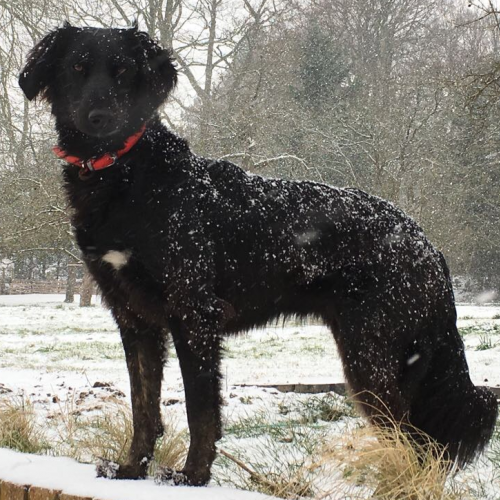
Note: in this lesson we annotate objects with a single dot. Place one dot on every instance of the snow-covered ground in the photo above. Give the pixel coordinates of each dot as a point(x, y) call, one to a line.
point(59, 473)
point(55, 353)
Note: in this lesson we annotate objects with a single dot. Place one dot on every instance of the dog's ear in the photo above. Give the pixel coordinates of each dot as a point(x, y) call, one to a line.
point(36, 74)
point(157, 64)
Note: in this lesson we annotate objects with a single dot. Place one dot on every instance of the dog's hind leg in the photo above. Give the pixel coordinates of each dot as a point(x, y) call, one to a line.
point(415, 374)
point(371, 357)
point(199, 356)
point(145, 353)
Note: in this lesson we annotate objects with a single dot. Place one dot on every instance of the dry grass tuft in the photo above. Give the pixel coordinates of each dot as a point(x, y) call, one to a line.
point(105, 434)
point(170, 449)
point(108, 434)
point(19, 429)
point(394, 464)
point(282, 485)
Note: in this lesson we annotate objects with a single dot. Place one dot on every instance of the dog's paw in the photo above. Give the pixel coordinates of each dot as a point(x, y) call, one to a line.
point(107, 468)
point(165, 475)
point(112, 470)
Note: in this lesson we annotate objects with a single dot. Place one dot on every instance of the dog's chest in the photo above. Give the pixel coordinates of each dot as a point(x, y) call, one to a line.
point(119, 253)
point(115, 220)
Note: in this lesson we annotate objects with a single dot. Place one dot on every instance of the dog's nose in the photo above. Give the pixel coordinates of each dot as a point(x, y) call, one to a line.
point(100, 118)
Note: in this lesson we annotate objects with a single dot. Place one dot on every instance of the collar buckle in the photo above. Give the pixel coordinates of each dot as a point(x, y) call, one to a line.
point(113, 157)
point(87, 165)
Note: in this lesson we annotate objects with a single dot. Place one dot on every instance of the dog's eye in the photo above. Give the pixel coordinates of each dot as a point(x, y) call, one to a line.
point(120, 70)
point(78, 67)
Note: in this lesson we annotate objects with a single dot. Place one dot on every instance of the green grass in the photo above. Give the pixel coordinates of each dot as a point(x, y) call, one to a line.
point(326, 408)
point(313, 411)
point(317, 343)
point(280, 444)
point(279, 454)
point(479, 486)
point(482, 328)
point(89, 350)
point(485, 343)
point(60, 355)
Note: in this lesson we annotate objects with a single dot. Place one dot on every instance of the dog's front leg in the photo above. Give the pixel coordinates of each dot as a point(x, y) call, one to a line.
point(199, 354)
point(145, 353)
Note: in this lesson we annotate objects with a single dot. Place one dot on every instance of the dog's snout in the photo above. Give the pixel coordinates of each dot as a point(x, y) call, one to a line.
point(99, 119)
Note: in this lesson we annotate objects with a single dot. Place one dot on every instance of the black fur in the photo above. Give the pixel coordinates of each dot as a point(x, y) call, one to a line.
point(208, 250)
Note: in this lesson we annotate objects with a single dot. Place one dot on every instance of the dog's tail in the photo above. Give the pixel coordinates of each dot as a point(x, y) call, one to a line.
point(448, 407)
point(454, 412)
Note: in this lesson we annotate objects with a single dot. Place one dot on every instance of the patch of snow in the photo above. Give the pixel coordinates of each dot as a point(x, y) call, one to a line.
point(478, 311)
point(80, 480)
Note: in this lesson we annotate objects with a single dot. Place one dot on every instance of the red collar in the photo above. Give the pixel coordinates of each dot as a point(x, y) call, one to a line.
point(104, 161)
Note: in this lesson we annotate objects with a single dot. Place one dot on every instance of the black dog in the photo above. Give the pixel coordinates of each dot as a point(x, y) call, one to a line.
point(197, 249)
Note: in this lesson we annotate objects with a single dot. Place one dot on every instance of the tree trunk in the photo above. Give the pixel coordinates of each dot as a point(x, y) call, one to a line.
point(87, 288)
point(71, 283)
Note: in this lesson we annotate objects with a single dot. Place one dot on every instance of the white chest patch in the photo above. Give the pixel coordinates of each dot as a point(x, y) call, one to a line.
point(117, 259)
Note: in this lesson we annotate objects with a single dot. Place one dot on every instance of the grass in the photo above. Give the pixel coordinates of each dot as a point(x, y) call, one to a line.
point(279, 450)
point(277, 465)
point(292, 483)
point(19, 429)
point(480, 329)
point(493, 452)
point(56, 354)
point(107, 433)
point(483, 483)
point(326, 408)
point(281, 455)
point(284, 455)
point(272, 450)
point(394, 466)
point(485, 343)
point(267, 347)
point(313, 411)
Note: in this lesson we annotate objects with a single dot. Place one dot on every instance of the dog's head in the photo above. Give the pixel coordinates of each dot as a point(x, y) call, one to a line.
point(101, 82)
